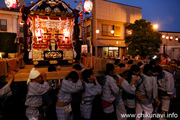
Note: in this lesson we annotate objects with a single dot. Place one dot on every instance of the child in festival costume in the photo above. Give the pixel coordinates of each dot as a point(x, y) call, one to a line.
point(91, 88)
point(69, 85)
point(37, 86)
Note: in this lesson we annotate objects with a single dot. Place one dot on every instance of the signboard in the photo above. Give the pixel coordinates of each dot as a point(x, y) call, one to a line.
point(53, 54)
point(84, 48)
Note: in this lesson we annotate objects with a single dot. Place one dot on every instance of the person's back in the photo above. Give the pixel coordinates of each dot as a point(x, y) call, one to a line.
point(110, 89)
point(91, 89)
point(69, 85)
point(165, 87)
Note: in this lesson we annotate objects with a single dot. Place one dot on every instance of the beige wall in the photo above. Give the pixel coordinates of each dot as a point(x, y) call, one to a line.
point(12, 20)
point(105, 12)
point(111, 11)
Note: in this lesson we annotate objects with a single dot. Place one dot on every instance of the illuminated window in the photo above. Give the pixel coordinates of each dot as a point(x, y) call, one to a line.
point(111, 30)
point(117, 30)
point(106, 30)
point(3, 25)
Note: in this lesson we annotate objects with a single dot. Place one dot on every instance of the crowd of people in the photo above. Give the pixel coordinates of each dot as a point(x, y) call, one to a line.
point(82, 96)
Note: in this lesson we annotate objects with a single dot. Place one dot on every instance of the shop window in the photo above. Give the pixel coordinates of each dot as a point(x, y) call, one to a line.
point(3, 25)
point(106, 30)
point(88, 30)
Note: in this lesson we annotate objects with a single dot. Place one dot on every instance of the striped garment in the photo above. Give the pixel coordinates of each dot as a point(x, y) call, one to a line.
point(66, 89)
point(110, 90)
point(91, 90)
point(166, 83)
point(120, 107)
point(145, 89)
point(131, 103)
point(34, 98)
point(5, 91)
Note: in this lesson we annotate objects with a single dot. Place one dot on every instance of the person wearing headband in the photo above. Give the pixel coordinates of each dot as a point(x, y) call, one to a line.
point(37, 86)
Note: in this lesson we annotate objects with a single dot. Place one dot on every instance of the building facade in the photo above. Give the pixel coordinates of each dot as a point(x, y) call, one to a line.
point(110, 19)
point(9, 21)
point(170, 44)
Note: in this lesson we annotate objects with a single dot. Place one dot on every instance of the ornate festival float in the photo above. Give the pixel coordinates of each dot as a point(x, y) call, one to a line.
point(50, 26)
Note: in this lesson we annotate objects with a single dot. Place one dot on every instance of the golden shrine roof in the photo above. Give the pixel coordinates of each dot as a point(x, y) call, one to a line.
point(53, 8)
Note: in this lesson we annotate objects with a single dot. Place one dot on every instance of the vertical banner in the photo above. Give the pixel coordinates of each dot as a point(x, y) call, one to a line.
point(82, 25)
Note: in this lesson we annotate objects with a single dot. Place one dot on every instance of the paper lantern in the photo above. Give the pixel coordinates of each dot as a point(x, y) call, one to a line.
point(11, 3)
point(88, 6)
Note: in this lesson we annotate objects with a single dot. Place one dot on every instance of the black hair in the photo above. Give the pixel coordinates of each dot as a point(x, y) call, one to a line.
point(174, 60)
point(152, 62)
point(86, 74)
point(125, 73)
point(157, 69)
point(135, 68)
point(77, 67)
point(146, 68)
point(139, 64)
point(51, 68)
point(121, 65)
point(109, 68)
point(130, 61)
point(117, 61)
point(73, 75)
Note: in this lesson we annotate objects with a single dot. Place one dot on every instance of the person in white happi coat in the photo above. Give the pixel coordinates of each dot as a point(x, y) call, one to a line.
point(69, 85)
point(145, 93)
point(110, 90)
point(37, 86)
point(124, 86)
point(130, 98)
point(165, 82)
point(91, 88)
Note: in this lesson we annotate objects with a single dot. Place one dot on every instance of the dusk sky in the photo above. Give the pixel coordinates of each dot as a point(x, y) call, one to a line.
point(163, 12)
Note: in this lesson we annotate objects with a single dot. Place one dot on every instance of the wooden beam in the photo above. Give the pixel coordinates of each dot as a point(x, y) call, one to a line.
point(62, 74)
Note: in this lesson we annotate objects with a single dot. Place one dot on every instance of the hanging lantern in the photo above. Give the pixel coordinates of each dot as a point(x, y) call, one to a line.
point(11, 3)
point(88, 5)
